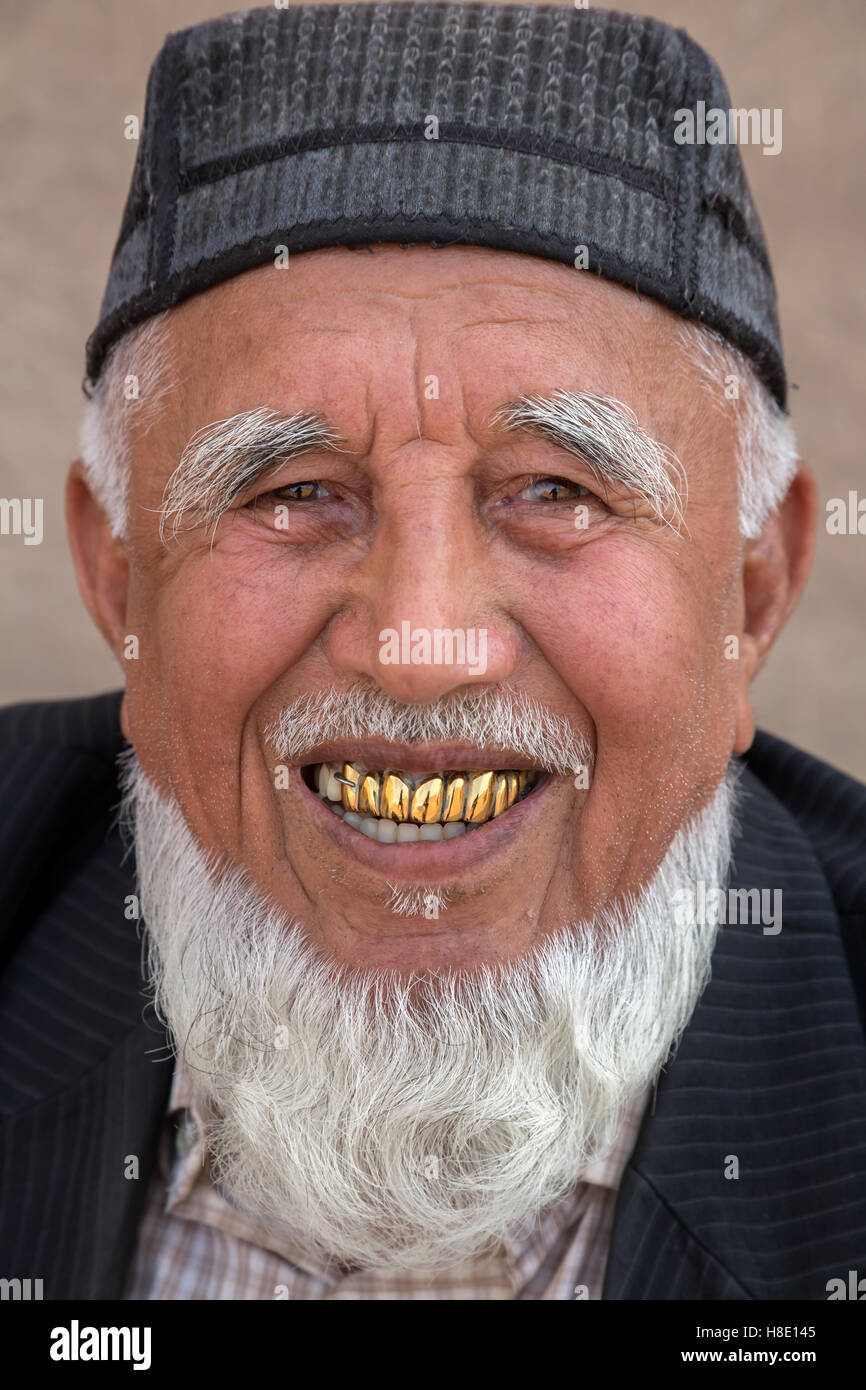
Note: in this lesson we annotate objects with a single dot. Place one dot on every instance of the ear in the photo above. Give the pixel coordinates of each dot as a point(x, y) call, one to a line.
point(100, 559)
point(775, 569)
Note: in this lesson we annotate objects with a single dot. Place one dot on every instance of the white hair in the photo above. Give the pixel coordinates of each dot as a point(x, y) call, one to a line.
point(767, 452)
point(126, 401)
point(412, 1121)
point(141, 361)
point(605, 434)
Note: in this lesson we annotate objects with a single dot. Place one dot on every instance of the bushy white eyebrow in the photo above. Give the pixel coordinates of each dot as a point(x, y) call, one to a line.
point(606, 435)
point(224, 458)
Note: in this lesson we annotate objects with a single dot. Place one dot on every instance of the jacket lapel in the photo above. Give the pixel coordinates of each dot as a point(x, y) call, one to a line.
point(86, 1072)
point(746, 1181)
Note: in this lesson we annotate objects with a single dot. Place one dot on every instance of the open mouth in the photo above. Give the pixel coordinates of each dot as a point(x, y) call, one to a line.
point(396, 807)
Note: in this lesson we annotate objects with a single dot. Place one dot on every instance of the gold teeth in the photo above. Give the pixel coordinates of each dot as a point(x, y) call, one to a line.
point(351, 788)
point(368, 795)
point(396, 797)
point(507, 790)
point(427, 798)
point(436, 798)
point(480, 797)
point(455, 796)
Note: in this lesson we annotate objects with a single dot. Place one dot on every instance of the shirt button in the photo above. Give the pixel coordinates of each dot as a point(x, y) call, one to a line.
point(187, 1134)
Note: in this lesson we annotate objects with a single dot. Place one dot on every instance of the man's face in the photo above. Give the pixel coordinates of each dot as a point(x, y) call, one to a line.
point(437, 517)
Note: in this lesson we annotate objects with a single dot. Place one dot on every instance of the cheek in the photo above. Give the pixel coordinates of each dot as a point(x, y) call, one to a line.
point(217, 635)
point(635, 640)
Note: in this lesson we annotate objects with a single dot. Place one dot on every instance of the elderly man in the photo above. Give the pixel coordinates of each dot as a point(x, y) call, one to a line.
point(439, 501)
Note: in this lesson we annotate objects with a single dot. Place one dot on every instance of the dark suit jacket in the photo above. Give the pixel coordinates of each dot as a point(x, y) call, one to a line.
point(771, 1071)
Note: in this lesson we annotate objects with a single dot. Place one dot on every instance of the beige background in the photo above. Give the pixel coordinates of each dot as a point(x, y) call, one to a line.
point(73, 69)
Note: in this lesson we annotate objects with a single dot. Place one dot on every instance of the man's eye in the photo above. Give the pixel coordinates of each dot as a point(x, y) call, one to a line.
point(301, 492)
point(553, 490)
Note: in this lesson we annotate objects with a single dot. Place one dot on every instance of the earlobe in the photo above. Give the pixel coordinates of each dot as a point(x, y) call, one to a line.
point(776, 565)
point(124, 719)
point(775, 569)
point(744, 726)
point(100, 559)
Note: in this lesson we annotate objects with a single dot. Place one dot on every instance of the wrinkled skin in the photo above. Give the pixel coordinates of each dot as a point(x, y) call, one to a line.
point(620, 627)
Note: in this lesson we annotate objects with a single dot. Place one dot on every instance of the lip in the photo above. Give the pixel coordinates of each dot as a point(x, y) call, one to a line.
point(426, 859)
point(433, 757)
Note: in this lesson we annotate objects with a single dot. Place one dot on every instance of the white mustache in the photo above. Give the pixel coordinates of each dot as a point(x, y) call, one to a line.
point(491, 718)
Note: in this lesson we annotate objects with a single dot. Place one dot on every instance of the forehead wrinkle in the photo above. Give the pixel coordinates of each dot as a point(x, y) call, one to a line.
point(545, 323)
point(424, 292)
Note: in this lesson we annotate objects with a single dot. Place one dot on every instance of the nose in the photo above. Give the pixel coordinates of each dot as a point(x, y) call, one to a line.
point(424, 619)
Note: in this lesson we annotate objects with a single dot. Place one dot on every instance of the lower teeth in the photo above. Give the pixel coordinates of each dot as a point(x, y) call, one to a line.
point(390, 832)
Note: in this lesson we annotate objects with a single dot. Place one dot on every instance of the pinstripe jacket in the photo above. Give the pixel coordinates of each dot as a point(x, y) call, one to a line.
point(771, 1071)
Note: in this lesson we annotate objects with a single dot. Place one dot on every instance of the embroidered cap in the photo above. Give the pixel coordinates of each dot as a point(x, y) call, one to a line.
point(541, 129)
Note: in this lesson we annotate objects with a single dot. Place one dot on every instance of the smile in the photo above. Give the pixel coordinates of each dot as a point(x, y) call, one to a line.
point(397, 807)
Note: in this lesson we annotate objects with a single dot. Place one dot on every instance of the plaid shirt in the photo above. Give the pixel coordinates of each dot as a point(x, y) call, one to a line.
point(194, 1243)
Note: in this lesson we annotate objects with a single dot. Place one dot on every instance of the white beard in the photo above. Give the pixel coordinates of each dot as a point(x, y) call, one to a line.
point(388, 1123)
